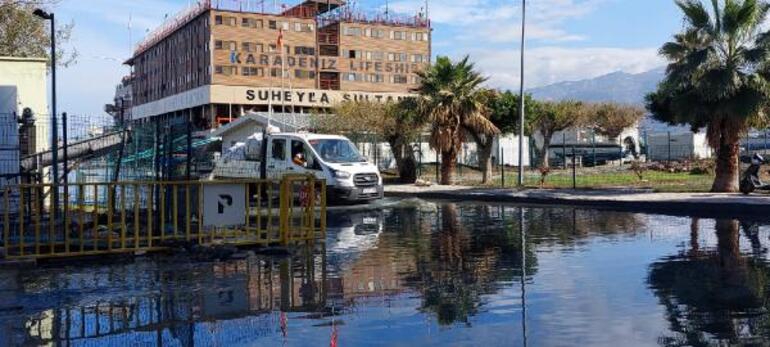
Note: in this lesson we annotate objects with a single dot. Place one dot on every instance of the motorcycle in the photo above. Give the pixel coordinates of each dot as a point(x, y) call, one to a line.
point(750, 181)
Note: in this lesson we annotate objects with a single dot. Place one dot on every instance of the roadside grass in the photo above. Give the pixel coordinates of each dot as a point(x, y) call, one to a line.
point(586, 178)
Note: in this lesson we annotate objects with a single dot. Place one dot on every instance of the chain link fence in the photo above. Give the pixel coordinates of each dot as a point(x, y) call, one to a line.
point(664, 162)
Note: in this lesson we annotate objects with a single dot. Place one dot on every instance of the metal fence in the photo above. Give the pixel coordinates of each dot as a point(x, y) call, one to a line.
point(105, 218)
point(663, 162)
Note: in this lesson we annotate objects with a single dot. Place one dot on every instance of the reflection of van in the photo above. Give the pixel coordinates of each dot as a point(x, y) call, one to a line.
point(349, 176)
point(353, 231)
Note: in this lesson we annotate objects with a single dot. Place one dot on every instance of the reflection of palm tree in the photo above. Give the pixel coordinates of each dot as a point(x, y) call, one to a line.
point(468, 258)
point(694, 244)
point(713, 297)
point(751, 231)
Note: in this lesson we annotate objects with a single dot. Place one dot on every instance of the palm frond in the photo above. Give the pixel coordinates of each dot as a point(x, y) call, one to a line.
point(696, 14)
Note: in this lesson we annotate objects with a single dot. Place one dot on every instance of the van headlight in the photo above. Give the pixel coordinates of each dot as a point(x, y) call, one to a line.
point(341, 174)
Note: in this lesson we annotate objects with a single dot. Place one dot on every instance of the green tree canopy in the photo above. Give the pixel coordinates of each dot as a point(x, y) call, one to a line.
point(452, 100)
point(22, 34)
point(547, 118)
point(717, 77)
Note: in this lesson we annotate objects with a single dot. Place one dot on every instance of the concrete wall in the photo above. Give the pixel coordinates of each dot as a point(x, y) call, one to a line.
point(468, 153)
point(28, 75)
point(682, 146)
point(23, 85)
point(586, 136)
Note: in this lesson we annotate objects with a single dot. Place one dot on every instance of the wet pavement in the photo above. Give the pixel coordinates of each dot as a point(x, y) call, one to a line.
point(414, 272)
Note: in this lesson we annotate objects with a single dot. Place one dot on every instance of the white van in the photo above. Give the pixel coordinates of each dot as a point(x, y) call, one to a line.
point(349, 175)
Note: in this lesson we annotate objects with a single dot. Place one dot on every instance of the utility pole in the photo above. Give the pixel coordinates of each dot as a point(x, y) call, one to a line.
point(54, 129)
point(521, 96)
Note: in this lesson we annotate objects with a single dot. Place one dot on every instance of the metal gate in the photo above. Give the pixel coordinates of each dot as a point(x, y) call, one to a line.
point(106, 218)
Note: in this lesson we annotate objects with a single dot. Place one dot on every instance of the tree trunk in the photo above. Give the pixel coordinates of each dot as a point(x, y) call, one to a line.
point(406, 164)
point(694, 242)
point(485, 161)
point(543, 152)
point(727, 167)
point(448, 165)
point(728, 246)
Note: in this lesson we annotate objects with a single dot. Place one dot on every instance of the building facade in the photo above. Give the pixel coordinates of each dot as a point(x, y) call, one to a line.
point(214, 62)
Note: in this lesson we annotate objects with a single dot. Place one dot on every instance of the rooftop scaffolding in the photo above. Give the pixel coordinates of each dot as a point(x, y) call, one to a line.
point(327, 11)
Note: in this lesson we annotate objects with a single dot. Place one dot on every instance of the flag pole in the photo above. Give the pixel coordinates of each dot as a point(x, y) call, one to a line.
point(283, 70)
point(521, 96)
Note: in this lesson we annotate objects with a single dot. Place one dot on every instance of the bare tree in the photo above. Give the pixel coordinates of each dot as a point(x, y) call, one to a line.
point(22, 34)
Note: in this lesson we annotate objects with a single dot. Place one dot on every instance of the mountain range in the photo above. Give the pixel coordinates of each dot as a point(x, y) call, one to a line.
point(618, 87)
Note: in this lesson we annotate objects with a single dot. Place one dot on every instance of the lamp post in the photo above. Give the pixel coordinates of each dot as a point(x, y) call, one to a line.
point(521, 96)
point(54, 131)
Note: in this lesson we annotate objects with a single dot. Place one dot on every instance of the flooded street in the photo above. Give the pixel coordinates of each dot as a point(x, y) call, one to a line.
point(417, 272)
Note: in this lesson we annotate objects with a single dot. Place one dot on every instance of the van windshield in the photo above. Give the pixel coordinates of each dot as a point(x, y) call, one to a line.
point(337, 151)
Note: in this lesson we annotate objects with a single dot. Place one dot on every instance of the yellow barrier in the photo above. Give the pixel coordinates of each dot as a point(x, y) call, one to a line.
point(126, 217)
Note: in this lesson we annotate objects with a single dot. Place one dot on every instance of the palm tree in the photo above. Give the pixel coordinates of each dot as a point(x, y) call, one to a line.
point(717, 77)
point(452, 100)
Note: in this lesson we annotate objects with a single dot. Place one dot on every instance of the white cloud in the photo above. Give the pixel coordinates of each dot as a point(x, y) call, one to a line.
point(547, 65)
point(498, 21)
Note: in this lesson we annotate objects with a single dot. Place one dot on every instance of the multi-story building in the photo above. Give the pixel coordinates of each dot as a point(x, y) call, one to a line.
point(121, 107)
point(218, 59)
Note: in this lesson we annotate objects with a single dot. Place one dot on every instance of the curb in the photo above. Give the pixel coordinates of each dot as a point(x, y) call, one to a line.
point(671, 207)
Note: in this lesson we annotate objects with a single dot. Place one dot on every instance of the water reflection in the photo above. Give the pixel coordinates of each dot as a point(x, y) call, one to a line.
point(419, 273)
point(718, 295)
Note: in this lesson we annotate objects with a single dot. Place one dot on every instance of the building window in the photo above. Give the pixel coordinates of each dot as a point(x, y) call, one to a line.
point(353, 31)
point(375, 78)
point(350, 76)
point(399, 79)
point(417, 58)
point(218, 44)
point(419, 36)
point(232, 45)
point(251, 23)
point(224, 20)
point(306, 74)
point(353, 54)
point(249, 47)
point(397, 57)
point(303, 27)
point(272, 25)
point(301, 50)
point(375, 33)
point(398, 35)
point(225, 70)
point(253, 71)
point(285, 26)
point(378, 55)
point(276, 72)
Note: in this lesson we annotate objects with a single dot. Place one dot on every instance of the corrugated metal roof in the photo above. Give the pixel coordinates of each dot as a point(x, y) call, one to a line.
point(287, 122)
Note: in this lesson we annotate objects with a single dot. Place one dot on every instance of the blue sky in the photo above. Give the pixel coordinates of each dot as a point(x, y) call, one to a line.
point(567, 39)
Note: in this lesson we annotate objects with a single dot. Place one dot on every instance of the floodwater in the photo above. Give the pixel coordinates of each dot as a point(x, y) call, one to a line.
point(416, 272)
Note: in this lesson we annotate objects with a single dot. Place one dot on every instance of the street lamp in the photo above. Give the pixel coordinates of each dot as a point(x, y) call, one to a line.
point(54, 131)
point(521, 97)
